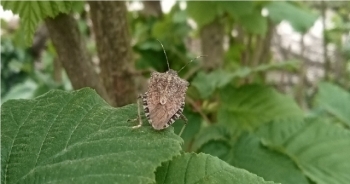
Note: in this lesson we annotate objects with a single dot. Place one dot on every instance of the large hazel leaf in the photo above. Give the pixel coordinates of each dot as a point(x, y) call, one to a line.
point(335, 100)
point(76, 137)
point(321, 150)
point(253, 105)
point(203, 168)
point(248, 153)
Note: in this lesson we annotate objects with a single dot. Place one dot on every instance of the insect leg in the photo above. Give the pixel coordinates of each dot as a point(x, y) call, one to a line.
point(186, 120)
point(138, 113)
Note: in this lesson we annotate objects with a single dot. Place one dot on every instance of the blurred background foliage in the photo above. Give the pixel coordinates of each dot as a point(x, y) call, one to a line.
point(275, 80)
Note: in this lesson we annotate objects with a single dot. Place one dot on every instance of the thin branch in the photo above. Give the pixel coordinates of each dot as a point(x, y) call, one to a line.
point(327, 63)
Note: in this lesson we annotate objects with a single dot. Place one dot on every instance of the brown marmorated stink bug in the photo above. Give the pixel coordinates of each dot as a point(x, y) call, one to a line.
point(164, 101)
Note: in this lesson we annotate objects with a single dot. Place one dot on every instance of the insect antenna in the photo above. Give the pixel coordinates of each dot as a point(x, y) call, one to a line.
point(165, 54)
point(190, 62)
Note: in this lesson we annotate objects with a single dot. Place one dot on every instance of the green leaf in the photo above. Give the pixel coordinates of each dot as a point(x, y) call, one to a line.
point(77, 137)
point(210, 133)
point(252, 105)
point(191, 130)
point(207, 83)
point(301, 20)
point(288, 65)
point(321, 150)
point(248, 153)
point(202, 12)
point(254, 23)
point(202, 168)
point(22, 90)
point(32, 12)
point(335, 100)
point(237, 8)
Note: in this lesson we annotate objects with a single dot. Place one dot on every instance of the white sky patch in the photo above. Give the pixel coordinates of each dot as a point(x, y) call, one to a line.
point(7, 14)
point(167, 5)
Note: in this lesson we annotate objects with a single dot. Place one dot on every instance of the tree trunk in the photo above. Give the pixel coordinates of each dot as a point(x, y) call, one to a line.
point(57, 70)
point(152, 8)
point(212, 38)
point(72, 53)
point(111, 31)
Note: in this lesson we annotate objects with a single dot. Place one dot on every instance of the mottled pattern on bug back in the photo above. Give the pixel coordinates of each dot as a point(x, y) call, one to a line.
point(170, 88)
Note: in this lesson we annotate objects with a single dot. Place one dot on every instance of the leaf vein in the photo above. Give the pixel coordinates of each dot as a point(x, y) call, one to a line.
point(85, 159)
point(53, 122)
point(70, 136)
point(188, 163)
point(109, 174)
point(167, 171)
point(9, 155)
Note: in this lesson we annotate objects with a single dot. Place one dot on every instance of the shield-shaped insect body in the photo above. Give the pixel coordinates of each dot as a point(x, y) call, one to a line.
point(164, 100)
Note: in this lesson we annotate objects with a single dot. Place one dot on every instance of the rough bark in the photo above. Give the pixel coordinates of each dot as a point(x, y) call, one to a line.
point(212, 38)
point(72, 53)
point(57, 70)
point(112, 37)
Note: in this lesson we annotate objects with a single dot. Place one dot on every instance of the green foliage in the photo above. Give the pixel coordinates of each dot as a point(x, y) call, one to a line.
point(202, 12)
point(176, 23)
point(211, 133)
point(77, 137)
point(207, 83)
point(202, 168)
point(334, 100)
point(191, 129)
point(24, 90)
point(72, 137)
point(254, 23)
point(285, 151)
point(20, 78)
point(15, 63)
point(237, 8)
point(251, 106)
point(32, 12)
point(248, 153)
point(321, 150)
point(169, 30)
point(300, 19)
point(247, 14)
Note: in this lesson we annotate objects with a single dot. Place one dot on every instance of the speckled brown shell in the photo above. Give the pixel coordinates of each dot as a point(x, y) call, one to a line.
point(164, 100)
